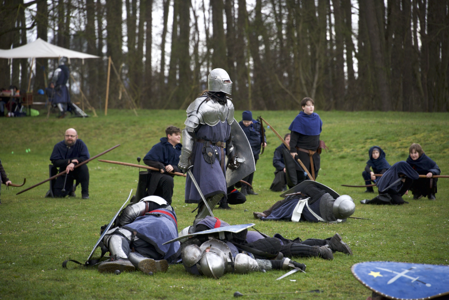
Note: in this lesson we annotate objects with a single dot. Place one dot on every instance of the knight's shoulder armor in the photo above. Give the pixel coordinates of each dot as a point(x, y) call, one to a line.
point(205, 111)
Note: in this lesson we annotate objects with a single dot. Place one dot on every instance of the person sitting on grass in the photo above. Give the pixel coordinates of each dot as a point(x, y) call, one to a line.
point(422, 164)
point(379, 165)
point(3, 178)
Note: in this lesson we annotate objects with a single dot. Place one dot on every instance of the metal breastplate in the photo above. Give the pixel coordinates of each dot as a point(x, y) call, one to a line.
point(209, 112)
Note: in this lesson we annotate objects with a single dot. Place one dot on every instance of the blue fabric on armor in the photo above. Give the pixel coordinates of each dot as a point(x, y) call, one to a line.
point(285, 211)
point(210, 177)
point(156, 229)
point(307, 124)
point(253, 236)
point(79, 150)
point(209, 222)
point(165, 153)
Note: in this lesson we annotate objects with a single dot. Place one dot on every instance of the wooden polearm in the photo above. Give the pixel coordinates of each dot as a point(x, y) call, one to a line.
point(152, 168)
point(18, 185)
point(359, 186)
point(288, 147)
point(62, 173)
point(140, 166)
point(422, 176)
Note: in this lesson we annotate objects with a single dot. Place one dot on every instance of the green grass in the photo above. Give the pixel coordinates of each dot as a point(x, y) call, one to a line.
point(37, 233)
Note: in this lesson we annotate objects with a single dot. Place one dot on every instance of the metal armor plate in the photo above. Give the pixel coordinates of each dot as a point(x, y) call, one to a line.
point(297, 188)
point(242, 151)
point(208, 112)
point(231, 228)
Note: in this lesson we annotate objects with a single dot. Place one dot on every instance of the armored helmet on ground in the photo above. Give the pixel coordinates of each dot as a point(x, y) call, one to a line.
point(191, 255)
point(213, 263)
point(219, 81)
point(343, 207)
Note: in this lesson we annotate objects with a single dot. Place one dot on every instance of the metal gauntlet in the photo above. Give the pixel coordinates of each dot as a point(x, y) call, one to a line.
point(187, 146)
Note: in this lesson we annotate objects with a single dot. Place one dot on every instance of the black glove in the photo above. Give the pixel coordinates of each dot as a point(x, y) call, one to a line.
point(233, 164)
point(298, 265)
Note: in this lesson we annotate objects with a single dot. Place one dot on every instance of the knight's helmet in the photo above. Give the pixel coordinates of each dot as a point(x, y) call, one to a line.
point(219, 81)
point(343, 207)
point(213, 263)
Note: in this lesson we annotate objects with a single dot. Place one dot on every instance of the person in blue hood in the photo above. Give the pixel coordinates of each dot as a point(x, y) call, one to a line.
point(165, 157)
point(422, 164)
point(378, 163)
point(305, 140)
point(252, 129)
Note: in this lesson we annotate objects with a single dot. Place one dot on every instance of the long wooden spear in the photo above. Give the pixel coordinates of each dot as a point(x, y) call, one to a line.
point(421, 176)
point(139, 166)
point(288, 147)
point(62, 173)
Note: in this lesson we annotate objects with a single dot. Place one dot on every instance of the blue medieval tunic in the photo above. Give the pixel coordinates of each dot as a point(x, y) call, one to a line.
point(156, 227)
point(61, 92)
point(210, 177)
point(285, 210)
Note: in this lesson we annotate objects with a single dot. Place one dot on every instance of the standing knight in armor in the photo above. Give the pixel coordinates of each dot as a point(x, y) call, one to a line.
point(137, 240)
point(57, 92)
point(208, 128)
point(310, 201)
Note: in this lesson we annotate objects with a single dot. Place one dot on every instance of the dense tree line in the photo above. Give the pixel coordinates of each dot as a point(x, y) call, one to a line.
point(346, 54)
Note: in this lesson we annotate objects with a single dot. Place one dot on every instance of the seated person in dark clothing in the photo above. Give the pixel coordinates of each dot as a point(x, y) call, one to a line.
point(165, 157)
point(3, 178)
point(65, 156)
point(379, 165)
point(310, 201)
point(422, 164)
point(393, 184)
point(280, 181)
point(234, 197)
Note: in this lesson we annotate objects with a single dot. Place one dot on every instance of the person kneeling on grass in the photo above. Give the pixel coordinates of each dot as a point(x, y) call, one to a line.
point(379, 165)
point(143, 227)
point(422, 164)
point(393, 184)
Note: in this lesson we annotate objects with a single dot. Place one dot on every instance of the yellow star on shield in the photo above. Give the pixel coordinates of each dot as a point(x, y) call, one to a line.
point(375, 274)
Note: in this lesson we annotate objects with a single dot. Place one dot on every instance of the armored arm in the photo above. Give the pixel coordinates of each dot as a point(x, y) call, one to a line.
point(131, 212)
point(187, 147)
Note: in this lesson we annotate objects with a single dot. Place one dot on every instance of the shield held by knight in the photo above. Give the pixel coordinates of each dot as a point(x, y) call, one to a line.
point(244, 156)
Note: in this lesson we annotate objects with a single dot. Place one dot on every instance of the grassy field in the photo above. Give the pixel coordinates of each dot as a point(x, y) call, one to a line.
point(37, 234)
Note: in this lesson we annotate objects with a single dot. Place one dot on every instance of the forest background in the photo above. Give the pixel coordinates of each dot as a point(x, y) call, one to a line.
point(346, 54)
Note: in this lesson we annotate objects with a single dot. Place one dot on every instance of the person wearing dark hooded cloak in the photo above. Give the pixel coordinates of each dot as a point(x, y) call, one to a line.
point(65, 156)
point(280, 180)
point(378, 163)
point(422, 164)
point(3, 178)
point(165, 157)
point(305, 140)
point(393, 184)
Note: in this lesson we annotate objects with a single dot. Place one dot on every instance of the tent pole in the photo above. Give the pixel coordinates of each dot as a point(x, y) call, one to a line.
point(31, 72)
point(107, 87)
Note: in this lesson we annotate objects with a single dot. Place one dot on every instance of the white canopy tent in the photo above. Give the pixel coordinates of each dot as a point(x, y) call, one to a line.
point(42, 49)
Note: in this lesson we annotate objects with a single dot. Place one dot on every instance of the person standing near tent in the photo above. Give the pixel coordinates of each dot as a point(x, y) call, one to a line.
point(57, 92)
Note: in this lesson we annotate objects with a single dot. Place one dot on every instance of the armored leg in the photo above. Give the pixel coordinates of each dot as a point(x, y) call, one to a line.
point(147, 265)
point(203, 211)
point(117, 241)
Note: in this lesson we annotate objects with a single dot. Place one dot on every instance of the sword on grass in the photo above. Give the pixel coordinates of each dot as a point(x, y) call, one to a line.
point(290, 273)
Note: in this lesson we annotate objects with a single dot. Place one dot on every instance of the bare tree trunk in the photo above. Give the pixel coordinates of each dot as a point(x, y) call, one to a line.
point(241, 83)
point(339, 82)
point(379, 55)
point(91, 48)
point(185, 78)
point(162, 85)
point(218, 41)
point(139, 70)
point(114, 46)
point(174, 56)
point(230, 39)
point(42, 27)
point(407, 58)
point(148, 100)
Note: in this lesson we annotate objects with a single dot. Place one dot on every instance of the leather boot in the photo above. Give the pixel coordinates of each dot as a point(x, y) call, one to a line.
point(244, 190)
point(336, 244)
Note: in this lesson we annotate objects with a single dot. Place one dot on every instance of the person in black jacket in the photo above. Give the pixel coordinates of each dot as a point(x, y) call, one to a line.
point(379, 165)
point(422, 164)
point(252, 129)
point(280, 180)
point(165, 157)
point(65, 156)
point(3, 178)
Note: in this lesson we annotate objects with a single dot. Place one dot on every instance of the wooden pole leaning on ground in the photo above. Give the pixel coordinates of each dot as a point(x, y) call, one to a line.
point(288, 147)
point(62, 173)
point(139, 166)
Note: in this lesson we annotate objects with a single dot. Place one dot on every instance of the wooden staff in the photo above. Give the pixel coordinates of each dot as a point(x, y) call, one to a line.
point(288, 147)
point(422, 176)
point(18, 185)
point(140, 166)
point(357, 186)
point(62, 173)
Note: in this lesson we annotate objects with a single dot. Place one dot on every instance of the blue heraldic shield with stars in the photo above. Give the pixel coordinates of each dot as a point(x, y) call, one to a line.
point(397, 280)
